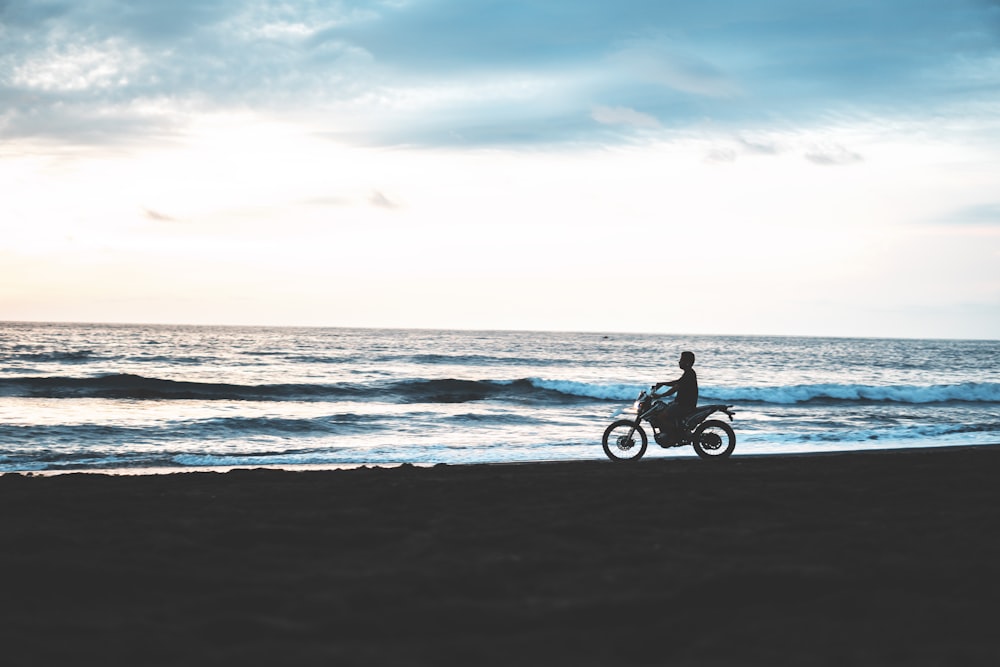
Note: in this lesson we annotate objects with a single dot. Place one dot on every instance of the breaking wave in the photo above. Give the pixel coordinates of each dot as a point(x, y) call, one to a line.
point(968, 392)
point(451, 390)
point(64, 357)
point(128, 386)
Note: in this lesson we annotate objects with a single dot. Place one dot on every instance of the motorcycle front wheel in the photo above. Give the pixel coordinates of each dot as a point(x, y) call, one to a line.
point(714, 439)
point(624, 440)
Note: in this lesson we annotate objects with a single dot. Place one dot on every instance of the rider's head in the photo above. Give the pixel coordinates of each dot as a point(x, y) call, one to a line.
point(687, 360)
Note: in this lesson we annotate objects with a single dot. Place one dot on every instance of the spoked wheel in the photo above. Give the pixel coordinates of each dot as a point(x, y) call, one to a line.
point(624, 440)
point(714, 439)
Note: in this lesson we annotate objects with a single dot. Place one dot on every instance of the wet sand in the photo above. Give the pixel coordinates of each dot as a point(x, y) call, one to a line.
point(875, 558)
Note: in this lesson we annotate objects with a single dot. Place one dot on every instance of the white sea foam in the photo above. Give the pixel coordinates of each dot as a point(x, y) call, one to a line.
point(973, 392)
point(615, 392)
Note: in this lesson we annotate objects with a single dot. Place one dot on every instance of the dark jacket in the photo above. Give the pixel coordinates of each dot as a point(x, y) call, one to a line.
point(686, 387)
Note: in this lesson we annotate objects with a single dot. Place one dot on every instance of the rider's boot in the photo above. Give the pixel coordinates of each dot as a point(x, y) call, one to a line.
point(667, 437)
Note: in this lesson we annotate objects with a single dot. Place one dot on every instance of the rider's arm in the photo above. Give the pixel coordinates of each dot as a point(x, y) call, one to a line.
point(673, 388)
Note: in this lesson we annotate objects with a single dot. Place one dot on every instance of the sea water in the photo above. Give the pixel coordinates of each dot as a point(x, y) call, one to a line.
point(165, 397)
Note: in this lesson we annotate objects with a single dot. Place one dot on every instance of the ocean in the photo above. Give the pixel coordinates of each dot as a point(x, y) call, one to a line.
point(160, 398)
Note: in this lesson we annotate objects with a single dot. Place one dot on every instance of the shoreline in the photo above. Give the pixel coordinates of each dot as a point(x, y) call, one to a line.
point(140, 471)
point(885, 557)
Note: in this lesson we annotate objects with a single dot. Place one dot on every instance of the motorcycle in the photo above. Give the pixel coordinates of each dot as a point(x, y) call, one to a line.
point(625, 439)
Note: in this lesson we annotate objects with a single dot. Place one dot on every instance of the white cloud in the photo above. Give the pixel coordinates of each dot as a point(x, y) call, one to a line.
point(379, 200)
point(979, 214)
point(759, 147)
point(624, 116)
point(721, 155)
point(661, 62)
point(519, 74)
point(157, 216)
point(78, 67)
point(831, 156)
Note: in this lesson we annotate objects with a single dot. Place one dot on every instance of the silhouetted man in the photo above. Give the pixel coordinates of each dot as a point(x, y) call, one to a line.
point(686, 388)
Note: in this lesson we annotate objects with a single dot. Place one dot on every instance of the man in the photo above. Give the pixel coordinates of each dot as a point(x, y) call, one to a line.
point(686, 388)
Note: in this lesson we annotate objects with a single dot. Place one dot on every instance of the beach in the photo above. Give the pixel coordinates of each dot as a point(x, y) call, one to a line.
point(882, 557)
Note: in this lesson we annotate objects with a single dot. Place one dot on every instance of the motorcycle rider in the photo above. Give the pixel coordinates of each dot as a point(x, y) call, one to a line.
point(686, 388)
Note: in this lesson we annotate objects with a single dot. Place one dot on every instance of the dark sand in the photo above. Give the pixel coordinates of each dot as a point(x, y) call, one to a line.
point(888, 557)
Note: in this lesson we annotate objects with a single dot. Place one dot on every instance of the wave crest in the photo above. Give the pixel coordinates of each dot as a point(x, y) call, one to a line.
point(968, 392)
point(452, 390)
point(128, 386)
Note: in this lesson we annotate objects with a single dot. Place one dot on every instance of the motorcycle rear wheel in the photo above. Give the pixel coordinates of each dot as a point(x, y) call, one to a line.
point(714, 439)
point(619, 441)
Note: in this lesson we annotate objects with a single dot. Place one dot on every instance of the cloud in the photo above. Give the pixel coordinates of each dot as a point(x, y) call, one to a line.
point(77, 67)
point(660, 62)
point(721, 155)
point(327, 201)
point(157, 216)
point(623, 116)
point(758, 147)
point(485, 71)
point(379, 200)
point(832, 156)
point(979, 214)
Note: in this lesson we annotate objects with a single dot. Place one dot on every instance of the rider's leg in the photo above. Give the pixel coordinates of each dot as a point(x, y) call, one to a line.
point(671, 418)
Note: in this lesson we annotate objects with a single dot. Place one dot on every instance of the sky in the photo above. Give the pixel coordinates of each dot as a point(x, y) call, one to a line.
point(783, 167)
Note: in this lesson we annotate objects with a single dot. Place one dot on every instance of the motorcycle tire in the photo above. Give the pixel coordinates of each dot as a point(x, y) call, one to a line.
point(714, 440)
point(619, 441)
